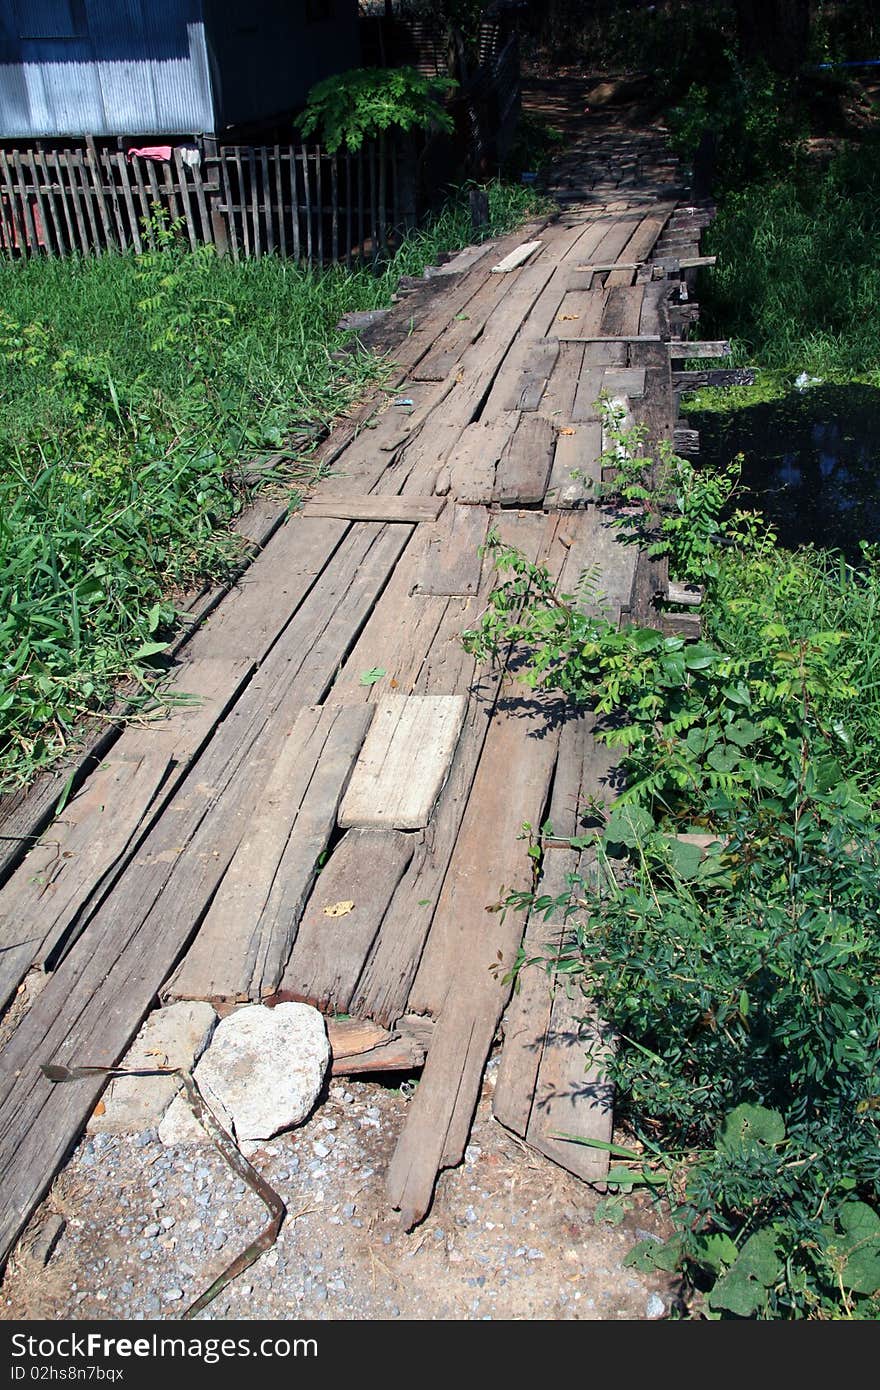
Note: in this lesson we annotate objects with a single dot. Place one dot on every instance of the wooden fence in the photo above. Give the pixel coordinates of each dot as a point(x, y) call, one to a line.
point(293, 200)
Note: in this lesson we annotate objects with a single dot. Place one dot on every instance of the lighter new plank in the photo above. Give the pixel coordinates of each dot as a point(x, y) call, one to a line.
point(404, 762)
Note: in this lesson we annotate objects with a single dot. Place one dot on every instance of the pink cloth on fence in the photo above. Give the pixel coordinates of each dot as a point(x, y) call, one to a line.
point(160, 153)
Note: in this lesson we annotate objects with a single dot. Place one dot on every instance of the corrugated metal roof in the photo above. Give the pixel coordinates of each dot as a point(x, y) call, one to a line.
point(111, 67)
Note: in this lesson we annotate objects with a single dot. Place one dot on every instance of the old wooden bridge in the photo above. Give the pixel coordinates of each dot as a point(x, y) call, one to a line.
point(339, 719)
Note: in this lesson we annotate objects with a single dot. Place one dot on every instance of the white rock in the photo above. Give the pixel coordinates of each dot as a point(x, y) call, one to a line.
point(175, 1036)
point(262, 1073)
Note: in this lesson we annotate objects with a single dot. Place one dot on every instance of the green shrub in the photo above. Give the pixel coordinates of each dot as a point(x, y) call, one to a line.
point(362, 103)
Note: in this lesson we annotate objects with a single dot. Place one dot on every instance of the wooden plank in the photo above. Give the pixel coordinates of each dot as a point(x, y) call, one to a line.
point(49, 186)
point(388, 975)
point(243, 945)
point(453, 563)
point(654, 317)
point(683, 350)
point(343, 917)
point(375, 507)
point(576, 468)
point(108, 177)
point(191, 229)
point(516, 258)
point(580, 314)
point(18, 237)
point(473, 461)
point(267, 200)
point(36, 183)
point(590, 384)
point(510, 786)
point(624, 381)
point(623, 307)
point(520, 383)
point(404, 762)
point(146, 226)
point(91, 159)
point(49, 898)
point(527, 1017)
point(715, 376)
point(32, 241)
point(253, 202)
point(558, 398)
point(524, 466)
point(599, 551)
point(686, 441)
point(642, 241)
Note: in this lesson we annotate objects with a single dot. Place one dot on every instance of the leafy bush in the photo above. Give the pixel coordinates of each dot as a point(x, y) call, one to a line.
point(742, 982)
point(362, 103)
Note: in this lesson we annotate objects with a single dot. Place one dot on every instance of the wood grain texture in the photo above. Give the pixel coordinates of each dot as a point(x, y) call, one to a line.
point(524, 466)
point(404, 762)
point(452, 562)
point(330, 950)
point(376, 507)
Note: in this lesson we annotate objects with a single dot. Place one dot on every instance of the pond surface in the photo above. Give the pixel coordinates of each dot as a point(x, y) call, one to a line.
point(812, 463)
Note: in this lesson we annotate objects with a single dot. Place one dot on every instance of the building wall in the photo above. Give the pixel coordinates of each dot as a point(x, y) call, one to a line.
point(163, 67)
point(266, 55)
point(103, 67)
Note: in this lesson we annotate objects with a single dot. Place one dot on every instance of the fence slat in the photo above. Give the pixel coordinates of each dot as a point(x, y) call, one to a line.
point(230, 209)
point(91, 163)
point(199, 186)
point(267, 200)
point(254, 202)
point(18, 238)
point(143, 198)
point(180, 169)
point(334, 208)
point(33, 241)
point(294, 202)
point(156, 204)
point(348, 194)
point(125, 182)
point(46, 179)
point(69, 165)
point(80, 171)
point(279, 194)
point(41, 206)
point(242, 202)
point(308, 200)
point(108, 176)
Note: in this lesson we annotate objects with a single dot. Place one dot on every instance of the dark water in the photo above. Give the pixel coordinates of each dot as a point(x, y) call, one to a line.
point(812, 463)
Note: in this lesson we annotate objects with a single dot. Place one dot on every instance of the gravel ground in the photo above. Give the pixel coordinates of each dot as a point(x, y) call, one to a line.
point(510, 1235)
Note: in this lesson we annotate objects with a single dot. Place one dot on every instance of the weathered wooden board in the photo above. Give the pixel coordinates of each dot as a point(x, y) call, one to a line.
point(244, 942)
point(623, 307)
point(654, 318)
point(527, 1017)
point(376, 507)
point(453, 562)
point(510, 786)
point(576, 468)
point(93, 1003)
point(524, 466)
point(385, 984)
point(473, 462)
point(520, 383)
point(558, 398)
point(714, 376)
point(586, 406)
point(343, 916)
point(404, 762)
point(600, 552)
point(680, 351)
point(580, 314)
point(624, 381)
point(516, 258)
point(642, 241)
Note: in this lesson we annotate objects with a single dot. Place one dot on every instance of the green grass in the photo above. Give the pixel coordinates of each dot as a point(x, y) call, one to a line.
point(797, 284)
point(133, 390)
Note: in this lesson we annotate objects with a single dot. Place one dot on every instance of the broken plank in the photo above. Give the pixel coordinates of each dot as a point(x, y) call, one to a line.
point(623, 307)
point(524, 466)
point(685, 350)
point(516, 258)
point(473, 462)
point(92, 1005)
point(453, 562)
point(343, 916)
point(576, 467)
point(642, 240)
point(387, 978)
point(510, 786)
point(624, 381)
point(243, 944)
point(586, 405)
point(404, 762)
point(376, 507)
point(522, 389)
